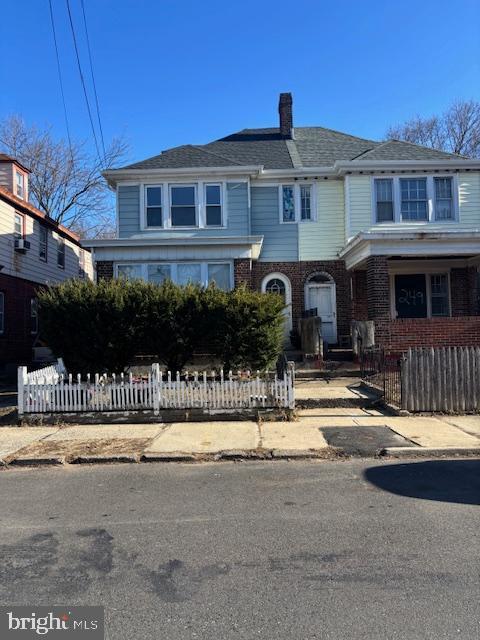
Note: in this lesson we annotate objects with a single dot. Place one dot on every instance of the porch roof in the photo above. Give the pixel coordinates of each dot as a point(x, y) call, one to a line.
point(435, 242)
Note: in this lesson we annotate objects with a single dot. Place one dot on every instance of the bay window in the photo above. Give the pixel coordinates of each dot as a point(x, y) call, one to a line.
point(183, 205)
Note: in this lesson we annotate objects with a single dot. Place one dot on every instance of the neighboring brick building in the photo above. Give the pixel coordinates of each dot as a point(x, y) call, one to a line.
point(35, 251)
point(340, 226)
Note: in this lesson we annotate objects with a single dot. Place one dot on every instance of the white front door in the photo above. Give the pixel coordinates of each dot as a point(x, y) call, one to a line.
point(322, 298)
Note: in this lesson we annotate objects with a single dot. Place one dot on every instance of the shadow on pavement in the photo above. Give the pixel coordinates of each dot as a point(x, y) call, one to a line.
point(442, 480)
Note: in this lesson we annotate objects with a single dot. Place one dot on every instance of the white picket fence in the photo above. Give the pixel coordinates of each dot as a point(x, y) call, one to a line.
point(55, 391)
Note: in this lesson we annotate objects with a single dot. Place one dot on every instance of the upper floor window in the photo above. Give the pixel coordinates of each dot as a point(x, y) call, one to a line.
point(154, 209)
point(384, 200)
point(61, 253)
point(19, 184)
point(415, 199)
point(183, 205)
point(81, 263)
point(213, 205)
point(443, 198)
point(43, 243)
point(19, 225)
point(2, 312)
point(297, 202)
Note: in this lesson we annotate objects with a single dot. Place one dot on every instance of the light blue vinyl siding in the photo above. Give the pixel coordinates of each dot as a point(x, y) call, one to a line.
point(236, 212)
point(128, 211)
point(280, 243)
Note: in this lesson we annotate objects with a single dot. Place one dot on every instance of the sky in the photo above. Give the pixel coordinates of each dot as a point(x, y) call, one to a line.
point(170, 73)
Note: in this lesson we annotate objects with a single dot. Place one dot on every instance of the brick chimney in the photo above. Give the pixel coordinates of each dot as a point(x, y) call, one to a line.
point(286, 116)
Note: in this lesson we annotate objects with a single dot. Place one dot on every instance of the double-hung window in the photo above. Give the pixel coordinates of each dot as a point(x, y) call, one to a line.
point(18, 226)
point(153, 206)
point(213, 205)
point(20, 184)
point(384, 200)
point(183, 205)
point(414, 198)
point(439, 294)
point(443, 199)
point(2, 312)
point(297, 203)
point(305, 202)
point(43, 243)
point(61, 253)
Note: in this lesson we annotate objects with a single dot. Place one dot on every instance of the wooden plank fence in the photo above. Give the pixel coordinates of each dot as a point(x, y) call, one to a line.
point(49, 391)
point(441, 379)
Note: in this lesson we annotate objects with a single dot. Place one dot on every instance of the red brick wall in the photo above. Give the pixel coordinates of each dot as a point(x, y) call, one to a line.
point(17, 340)
point(359, 295)
point(242, 272)
point(464, 283)
point(434, 332)
point(298, 273)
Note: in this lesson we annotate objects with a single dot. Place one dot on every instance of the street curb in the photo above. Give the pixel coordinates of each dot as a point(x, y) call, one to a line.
point(298, 453)
point(423, 452)
point(167, 457)
point(37, 462)
point(101, 459)
point(243, 454)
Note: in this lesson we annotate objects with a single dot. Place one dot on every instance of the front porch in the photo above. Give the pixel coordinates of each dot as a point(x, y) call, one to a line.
point(424, 290)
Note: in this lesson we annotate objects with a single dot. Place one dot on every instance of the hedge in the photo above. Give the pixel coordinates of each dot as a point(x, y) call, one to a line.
point(102, 327)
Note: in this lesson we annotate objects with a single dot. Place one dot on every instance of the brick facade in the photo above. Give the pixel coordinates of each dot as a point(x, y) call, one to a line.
point(242, 272)
point(371, 300)
point(104, 270)
point(298, 274)
point(17, 340)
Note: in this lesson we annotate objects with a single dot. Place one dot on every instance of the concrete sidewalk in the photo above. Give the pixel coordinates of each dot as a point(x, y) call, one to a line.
point(316, 433)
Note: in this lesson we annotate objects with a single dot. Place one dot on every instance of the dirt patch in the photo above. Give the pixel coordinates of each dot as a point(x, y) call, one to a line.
point(72, 448)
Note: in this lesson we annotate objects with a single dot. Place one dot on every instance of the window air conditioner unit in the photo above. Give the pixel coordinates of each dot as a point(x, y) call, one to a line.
point(21, 245)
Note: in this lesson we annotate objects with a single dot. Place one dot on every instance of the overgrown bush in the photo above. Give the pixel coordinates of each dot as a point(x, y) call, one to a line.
point(101, 327)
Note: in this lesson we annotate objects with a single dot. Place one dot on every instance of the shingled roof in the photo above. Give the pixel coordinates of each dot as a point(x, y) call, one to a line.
point(308, 147)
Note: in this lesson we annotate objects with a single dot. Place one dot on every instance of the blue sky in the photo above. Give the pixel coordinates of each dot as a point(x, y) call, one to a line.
point(178, 72)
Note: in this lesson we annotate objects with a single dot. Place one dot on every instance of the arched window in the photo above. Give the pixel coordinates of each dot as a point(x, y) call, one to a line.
point(275, 285)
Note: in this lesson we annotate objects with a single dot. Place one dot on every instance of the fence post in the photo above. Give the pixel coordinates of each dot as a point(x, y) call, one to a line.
point(22, 379)
point(156, 388)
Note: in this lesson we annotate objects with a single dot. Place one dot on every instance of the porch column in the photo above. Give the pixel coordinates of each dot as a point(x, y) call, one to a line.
point(378, 298)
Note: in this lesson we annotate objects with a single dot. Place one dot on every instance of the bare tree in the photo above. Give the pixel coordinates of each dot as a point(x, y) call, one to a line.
point(457, 130)
point(66, 181)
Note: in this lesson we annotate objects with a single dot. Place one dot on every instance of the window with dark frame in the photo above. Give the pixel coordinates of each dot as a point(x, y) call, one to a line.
point(420, 295)
point(43, 244)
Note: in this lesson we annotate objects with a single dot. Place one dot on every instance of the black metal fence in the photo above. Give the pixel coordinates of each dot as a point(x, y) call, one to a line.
point(383, 370)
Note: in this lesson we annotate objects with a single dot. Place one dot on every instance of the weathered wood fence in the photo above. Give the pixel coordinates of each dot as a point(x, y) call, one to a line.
point(52, 390)
point(441, 379)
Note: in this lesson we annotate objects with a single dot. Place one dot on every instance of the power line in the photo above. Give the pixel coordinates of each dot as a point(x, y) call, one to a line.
point(93, 80)
point(60, 79)
point(83, 82)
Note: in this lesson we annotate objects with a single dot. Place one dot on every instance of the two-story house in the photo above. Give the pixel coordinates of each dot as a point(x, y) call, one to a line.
point(341, 226)
point(34, 251)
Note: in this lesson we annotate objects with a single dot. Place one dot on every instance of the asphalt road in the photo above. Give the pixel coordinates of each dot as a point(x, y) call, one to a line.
point(345, 550)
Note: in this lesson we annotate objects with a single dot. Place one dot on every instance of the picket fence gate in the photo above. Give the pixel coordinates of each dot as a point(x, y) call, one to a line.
point(52, 390)
point(441, 379)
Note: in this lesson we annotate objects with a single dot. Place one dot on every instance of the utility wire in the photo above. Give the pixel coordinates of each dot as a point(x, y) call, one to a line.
point(61, 81)
point(83, 82)
point(93, 81)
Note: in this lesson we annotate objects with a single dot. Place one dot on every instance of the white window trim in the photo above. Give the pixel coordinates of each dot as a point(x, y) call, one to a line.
point(173, 268)
point(2, 313)
point(200, 204)
point(17, 185)
point(43, 229)
point(427, 273)
point(397, 203)
point(297, 200)
point(61, 243)
point(22, 218)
